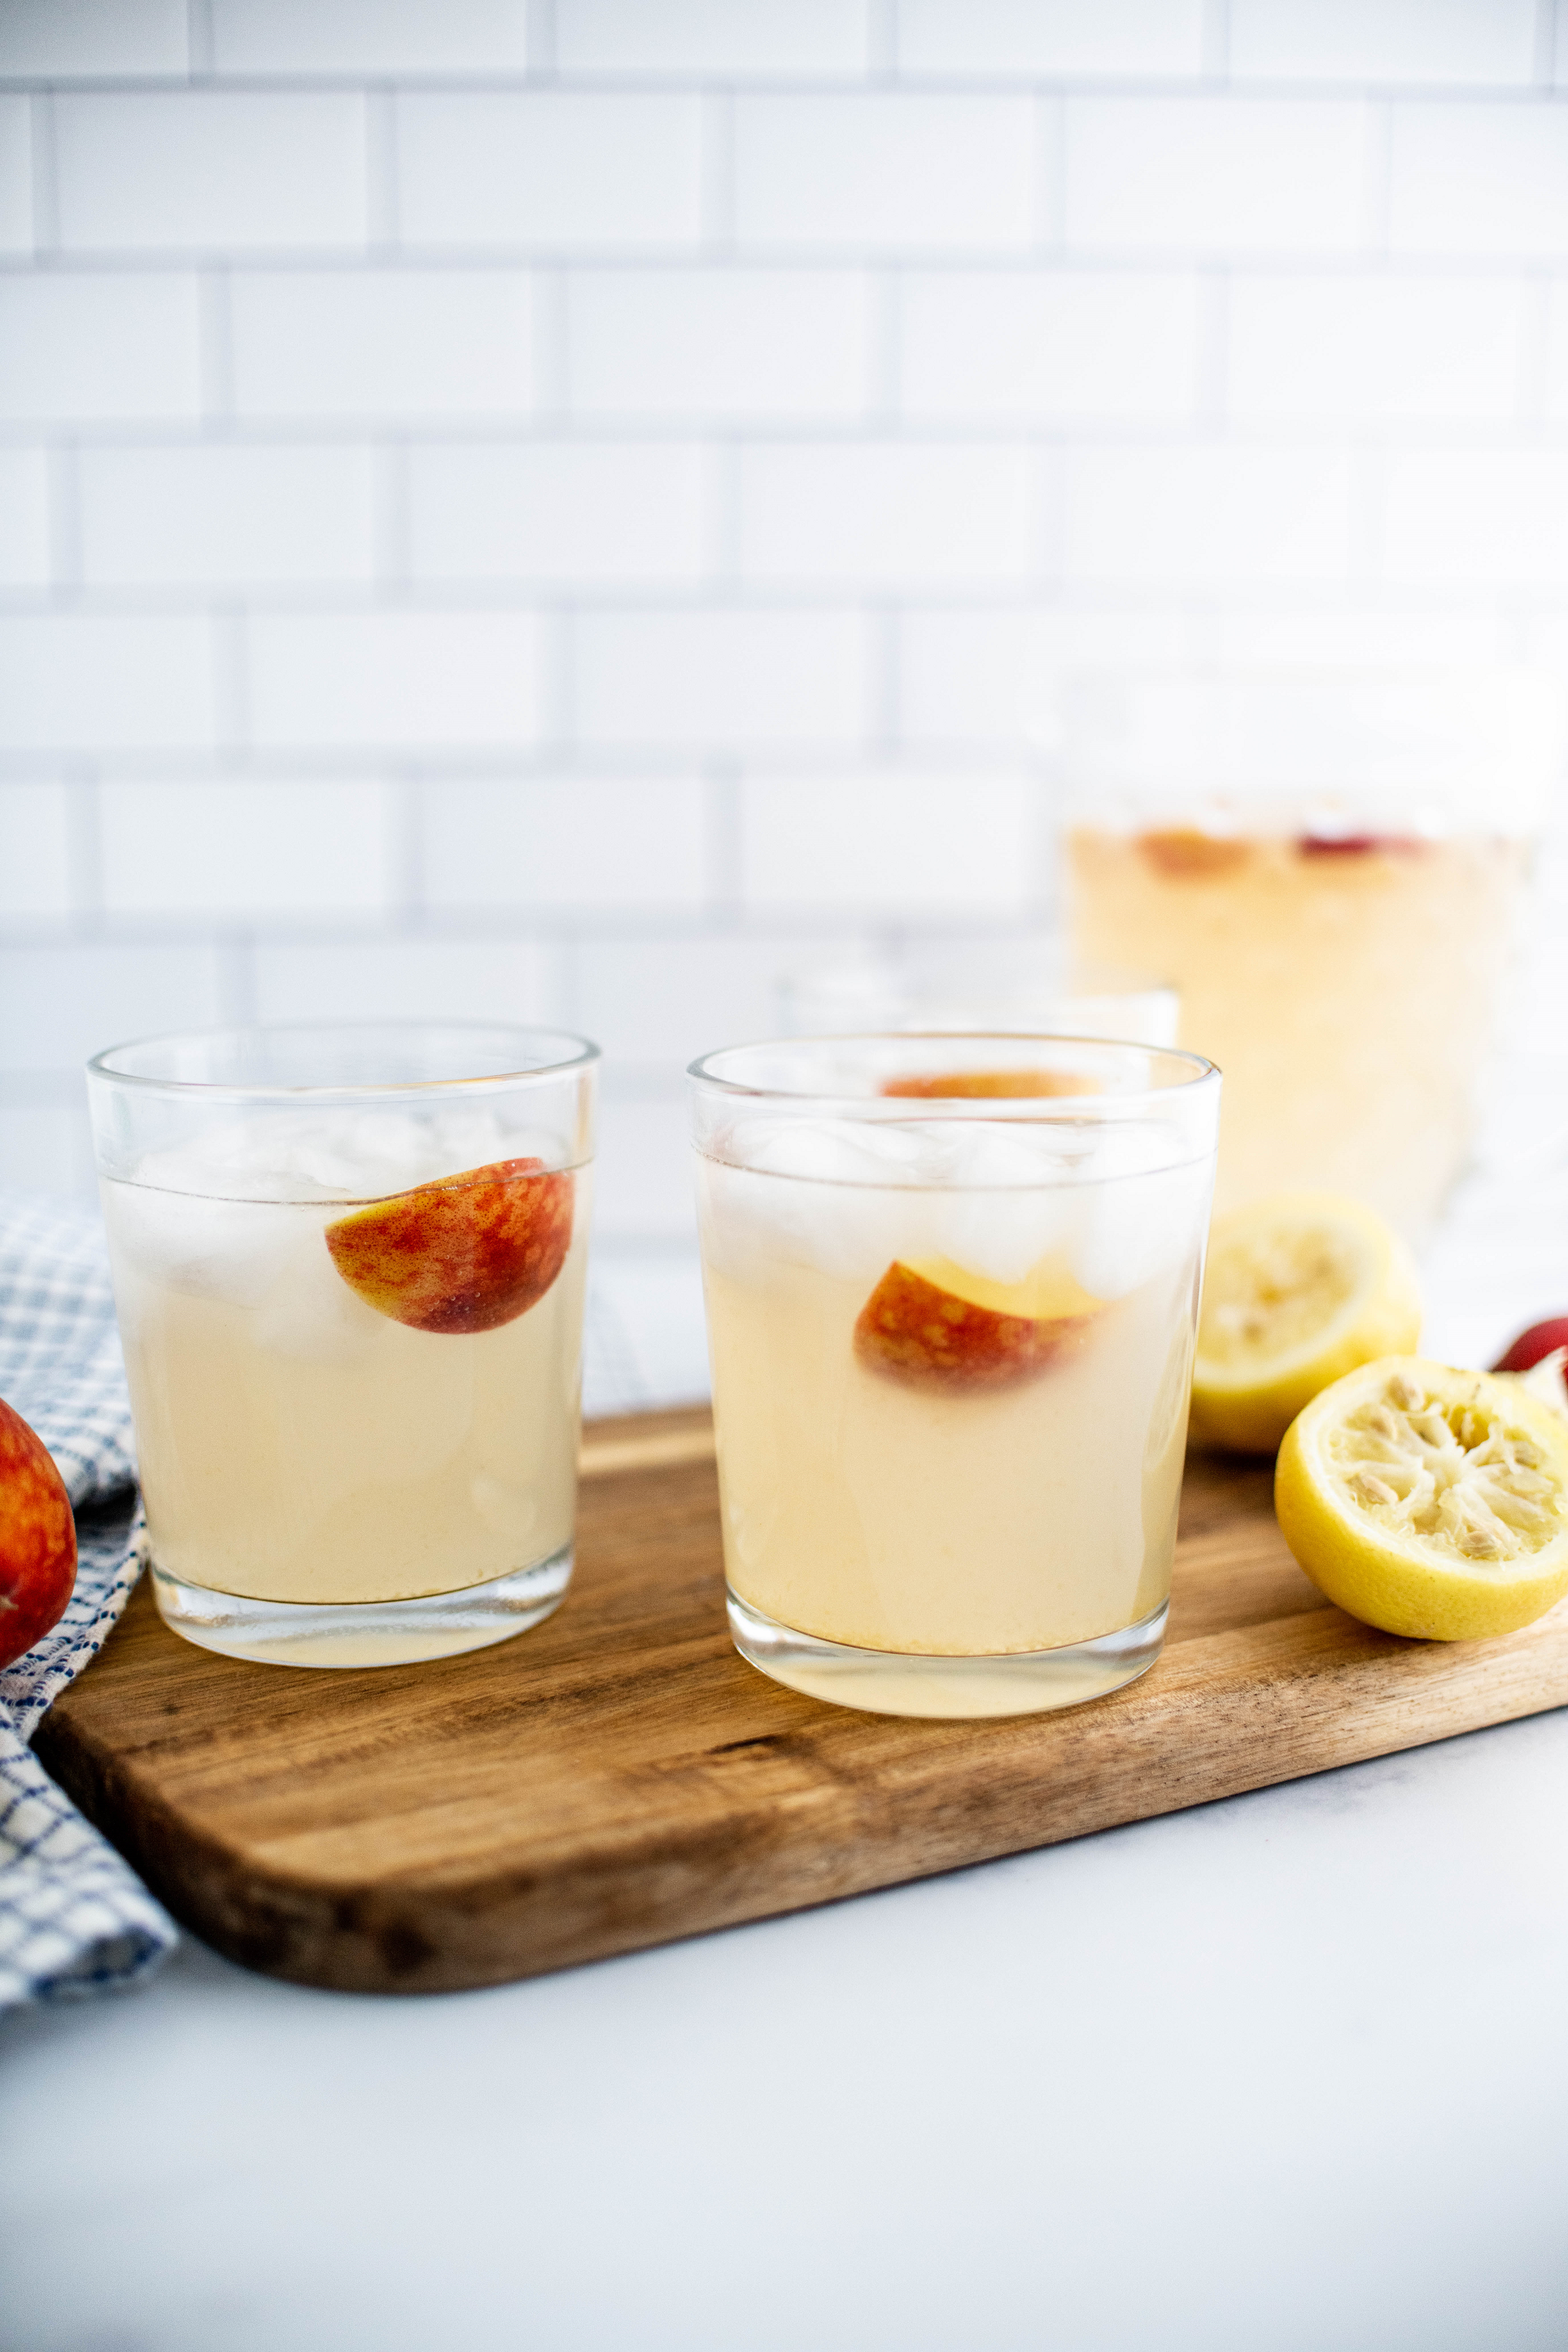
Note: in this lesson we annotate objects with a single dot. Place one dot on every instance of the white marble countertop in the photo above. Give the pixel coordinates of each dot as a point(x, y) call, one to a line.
point(1287, 2074)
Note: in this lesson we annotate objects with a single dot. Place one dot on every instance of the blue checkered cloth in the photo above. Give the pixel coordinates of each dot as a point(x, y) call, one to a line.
point(74, 1919)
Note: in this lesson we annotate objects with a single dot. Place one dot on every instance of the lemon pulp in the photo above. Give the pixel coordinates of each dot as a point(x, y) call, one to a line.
point(1452, 1472)
point(1428, 1501)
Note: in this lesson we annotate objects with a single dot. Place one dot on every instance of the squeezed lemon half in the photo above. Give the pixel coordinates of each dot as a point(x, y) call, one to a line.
point(1428, 1501)
point(1300, 1288)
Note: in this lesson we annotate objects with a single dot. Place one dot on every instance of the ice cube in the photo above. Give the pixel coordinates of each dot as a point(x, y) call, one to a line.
point(830, 1194)
point(192, 1243)
point(829, 1151)
point(1137, 1225)
point(308, 1312)
point(1006, 1204)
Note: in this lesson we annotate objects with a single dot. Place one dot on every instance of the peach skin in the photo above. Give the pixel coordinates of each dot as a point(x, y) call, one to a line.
point(953, 1334)
point(998, 1085)
point(37, 1539)
point(466, 1253)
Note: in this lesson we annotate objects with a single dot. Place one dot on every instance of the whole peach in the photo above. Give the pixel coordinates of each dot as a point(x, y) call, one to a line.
point(37, 1539)
point(1540, 1339)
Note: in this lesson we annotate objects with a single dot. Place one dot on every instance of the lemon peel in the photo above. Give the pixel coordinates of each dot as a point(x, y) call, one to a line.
point(1300, 1289)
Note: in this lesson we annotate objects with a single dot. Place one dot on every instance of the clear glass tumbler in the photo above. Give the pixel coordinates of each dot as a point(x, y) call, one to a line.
point(1030, 986)
point(349, 1269)
point(952, 1288)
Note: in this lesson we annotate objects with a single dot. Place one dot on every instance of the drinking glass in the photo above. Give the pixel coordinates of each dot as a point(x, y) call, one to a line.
point(348, 1270)
point(951, 1287)
point(1030, 986)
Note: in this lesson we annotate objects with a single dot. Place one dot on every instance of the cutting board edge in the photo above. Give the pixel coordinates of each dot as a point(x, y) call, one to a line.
point(371, 1939)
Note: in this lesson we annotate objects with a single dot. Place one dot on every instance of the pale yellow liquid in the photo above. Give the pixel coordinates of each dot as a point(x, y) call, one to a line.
point(295, 1445)
point(897, 1518)
point(1348, 997)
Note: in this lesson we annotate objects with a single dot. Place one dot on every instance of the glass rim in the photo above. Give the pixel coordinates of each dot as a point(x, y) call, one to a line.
point(1078, 977)
point(584, 1054)
point(1201, 1073)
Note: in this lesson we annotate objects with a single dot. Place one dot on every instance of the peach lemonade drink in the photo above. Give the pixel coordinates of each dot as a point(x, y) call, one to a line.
point(1345, 984)
point(952, 1326)
point(352, 1339)
point(1330, 869)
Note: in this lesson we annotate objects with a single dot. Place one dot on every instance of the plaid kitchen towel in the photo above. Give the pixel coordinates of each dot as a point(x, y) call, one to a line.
point(74, 1919)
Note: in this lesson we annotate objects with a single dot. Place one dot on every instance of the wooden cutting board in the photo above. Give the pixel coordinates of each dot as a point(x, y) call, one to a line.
point(619, 1776)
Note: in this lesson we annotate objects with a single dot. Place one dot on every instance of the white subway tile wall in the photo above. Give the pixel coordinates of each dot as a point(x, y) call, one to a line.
point(65, 40)
point(371, 347)
point(378, 37)
point(590, 169)
point(568, 507)
point(209, 172)
point(25, 551)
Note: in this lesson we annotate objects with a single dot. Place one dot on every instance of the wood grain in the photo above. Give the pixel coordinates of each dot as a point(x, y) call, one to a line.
point(619, 1777)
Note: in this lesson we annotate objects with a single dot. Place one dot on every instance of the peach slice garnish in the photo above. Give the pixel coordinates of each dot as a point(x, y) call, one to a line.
point(936, 1325)
point(1186, 851)
point(1359, 844)
point(993, 1085)
point(466, 1254)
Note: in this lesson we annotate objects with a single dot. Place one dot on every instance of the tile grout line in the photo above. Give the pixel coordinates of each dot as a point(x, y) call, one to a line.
point(882, 57)
point(231, 684)
point(549, 332)
point(717, 174)
point(1533, 366)
point(85, 841)
point(63, 461)
point(881, 682)
point(411, 880)
point(721, 520)
point(723, 840)
point(1547, 41)
point(555, 637)
point(1360, 255)
point(1366, 553)
point(214, 347)
point(1212, 370)
point(884, 326)
point(200, 46)
point(44, 169)
point(539, 40)
point(1377, 184)
point(1050, 191)
point(381, 206)
point(392, 521)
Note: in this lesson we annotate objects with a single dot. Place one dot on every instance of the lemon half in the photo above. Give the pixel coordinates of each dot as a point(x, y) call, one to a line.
point(1299, 1289)
point(1428, 1501)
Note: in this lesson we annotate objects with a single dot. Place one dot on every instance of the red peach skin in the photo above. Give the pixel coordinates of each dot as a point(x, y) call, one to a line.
point(37, 1539)
point(466, 1253)
point(914, 1332)
point(1540, 1339)
point(1013, 1086)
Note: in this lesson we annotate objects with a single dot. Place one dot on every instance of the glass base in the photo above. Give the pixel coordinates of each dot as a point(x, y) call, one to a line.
point(892, 1682)
point(363, 1633)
